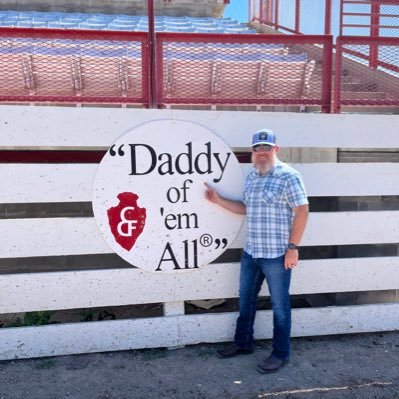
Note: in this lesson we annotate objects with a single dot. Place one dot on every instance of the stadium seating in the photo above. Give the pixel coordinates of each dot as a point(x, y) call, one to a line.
point(134, 23)
point(208, 71)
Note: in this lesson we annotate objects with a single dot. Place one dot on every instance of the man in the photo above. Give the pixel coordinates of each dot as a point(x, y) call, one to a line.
point(276, 206)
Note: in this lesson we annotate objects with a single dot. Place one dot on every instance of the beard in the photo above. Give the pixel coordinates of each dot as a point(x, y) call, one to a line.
point(263, 166)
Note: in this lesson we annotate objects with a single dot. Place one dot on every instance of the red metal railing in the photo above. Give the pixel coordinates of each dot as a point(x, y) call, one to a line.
point(244, 69)
point(367, 70)
point(62, 66)
point(373, 18)
point(292, 16)
point(279, 14)
point(369, 18)
point(66, 66)
point(359, 84)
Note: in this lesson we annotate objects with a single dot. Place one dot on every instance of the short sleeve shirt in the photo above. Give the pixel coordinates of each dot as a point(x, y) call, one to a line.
point(269, 201)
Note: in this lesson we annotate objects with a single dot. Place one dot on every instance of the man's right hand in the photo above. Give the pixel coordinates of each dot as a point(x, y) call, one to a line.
point(231, 205)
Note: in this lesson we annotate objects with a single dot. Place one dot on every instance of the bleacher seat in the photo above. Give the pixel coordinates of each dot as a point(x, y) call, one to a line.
point(123, 27)
point(228, 76)
point(133, 23)
point(63, 25)
point(122, 22)
point(92, 25)
point(208, 30)
point(182, 29)
point(8, 23)
point(25, 23)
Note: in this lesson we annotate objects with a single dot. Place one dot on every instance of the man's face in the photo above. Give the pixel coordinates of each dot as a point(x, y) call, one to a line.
point(264, 156)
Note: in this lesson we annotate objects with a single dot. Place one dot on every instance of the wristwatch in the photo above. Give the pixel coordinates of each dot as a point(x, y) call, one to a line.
point(292, 246)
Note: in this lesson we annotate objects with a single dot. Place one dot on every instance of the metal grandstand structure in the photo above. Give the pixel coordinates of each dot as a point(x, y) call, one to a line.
point(159, 61)
point(112, 67)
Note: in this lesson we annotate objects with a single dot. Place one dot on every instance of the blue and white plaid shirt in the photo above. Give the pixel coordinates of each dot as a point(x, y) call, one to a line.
point(269, 200)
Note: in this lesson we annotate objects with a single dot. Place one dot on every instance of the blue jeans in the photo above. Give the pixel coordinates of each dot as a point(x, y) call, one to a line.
point(253, 272)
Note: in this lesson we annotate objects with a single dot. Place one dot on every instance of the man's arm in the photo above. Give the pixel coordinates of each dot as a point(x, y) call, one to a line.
point(231, 205)
point(298, 227)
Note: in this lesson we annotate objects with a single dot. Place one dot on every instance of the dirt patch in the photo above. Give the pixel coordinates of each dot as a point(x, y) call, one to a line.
point(361, 366)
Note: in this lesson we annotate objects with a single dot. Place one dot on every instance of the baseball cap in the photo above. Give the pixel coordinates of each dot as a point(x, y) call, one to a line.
point(264, 136)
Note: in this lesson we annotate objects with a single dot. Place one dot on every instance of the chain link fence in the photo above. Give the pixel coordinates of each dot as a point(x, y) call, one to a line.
point(40, 65)
point(367, 72)
point(251, 70)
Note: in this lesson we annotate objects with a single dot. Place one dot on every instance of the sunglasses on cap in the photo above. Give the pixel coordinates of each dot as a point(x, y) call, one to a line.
point(262, 147)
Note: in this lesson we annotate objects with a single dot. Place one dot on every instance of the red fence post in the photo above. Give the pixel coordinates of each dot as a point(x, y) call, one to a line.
point(327, 19)
point(151, 36)
point(276, 10)
point(341, 17)
point(159, 73)
point(337, 76)
point(327, 75)
point(260, 10)
point(145, 73)
point(374, 33)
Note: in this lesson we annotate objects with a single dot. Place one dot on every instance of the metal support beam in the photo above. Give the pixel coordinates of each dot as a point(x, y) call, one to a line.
point(327, 20)
point(152, 44)
point(297, 16)
point(374, 33)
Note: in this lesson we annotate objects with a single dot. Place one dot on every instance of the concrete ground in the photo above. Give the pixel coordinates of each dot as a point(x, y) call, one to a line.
point(362, 366)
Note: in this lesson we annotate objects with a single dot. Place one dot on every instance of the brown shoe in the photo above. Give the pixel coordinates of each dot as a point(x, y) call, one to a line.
point(271, 365)
point(233, 350)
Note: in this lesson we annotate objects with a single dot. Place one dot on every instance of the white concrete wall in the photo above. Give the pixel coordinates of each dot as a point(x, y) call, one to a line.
point(23, 127)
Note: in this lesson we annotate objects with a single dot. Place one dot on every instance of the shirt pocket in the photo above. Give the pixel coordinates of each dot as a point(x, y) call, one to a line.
point(273, 196)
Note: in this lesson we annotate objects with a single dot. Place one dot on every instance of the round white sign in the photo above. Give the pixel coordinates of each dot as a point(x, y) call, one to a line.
point(149, 202)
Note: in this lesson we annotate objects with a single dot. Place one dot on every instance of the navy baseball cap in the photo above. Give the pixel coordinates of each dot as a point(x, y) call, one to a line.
point(264, 136)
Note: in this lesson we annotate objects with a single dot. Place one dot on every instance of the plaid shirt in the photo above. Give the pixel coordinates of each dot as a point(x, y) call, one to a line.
point(269, 200)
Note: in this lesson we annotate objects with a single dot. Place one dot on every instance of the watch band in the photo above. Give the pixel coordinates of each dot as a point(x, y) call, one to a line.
point(292, 246)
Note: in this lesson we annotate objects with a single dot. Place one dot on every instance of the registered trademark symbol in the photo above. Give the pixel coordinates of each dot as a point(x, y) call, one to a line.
point(206, 240)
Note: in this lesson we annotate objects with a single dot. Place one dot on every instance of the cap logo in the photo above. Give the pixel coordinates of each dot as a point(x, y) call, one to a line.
point(263, 136)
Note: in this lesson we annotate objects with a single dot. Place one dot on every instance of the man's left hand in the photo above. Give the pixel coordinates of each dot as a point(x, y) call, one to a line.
point(291, 258)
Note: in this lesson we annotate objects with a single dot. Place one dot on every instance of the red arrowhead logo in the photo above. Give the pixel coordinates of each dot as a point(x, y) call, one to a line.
point(127, 220)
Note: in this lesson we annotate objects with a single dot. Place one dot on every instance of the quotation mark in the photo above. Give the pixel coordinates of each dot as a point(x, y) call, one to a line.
point(120, 152)
point(206, 240)
point(218, 242)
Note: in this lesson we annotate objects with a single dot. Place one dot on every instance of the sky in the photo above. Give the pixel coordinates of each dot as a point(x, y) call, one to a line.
point(237, 9)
